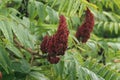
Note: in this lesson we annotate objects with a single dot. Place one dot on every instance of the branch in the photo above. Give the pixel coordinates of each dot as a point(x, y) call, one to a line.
point(18, 44)
point(34, 53)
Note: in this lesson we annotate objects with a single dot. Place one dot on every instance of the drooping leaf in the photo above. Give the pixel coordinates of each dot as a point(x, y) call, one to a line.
point(38, 76)
point(7, 31)
point(5, 61)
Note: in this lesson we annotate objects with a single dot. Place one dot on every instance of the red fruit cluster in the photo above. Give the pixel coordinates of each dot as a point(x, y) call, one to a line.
point(0, 76)
point(57, 44)
point(83, 31)
point(44, 44)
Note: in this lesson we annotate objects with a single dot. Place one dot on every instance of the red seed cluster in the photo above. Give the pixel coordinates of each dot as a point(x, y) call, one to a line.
point(53, 60)
point(57, 44)
point(0, 76)
point(83, 31)
point(44, 44)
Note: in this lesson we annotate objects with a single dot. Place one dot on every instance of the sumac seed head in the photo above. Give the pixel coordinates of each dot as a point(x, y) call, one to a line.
point(0, 75)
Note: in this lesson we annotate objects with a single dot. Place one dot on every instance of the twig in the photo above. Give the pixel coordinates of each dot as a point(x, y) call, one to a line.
point(23, 47)
point(32, 59)
point(71, 47)
point(34, 53)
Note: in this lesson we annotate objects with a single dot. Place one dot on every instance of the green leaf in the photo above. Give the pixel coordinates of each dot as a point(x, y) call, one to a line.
point(62, 4)
point(82, 8)
point(110, 16)
point(6, 30)
point(86, 72)
point(22, 34)
point(75, 7)
point(72, 71)
point(111, 27)
point(53, 16)
point(105, 25)
point(4, 59)
point(21, 66)
point(32, 10)
point(59, 68)
point(101, 70)
point(38, 76)
point(116, 28)
point(92, 46)
point(70, 6)
point(99, 25)
point(103, 45)
point(41, 9)
point(114, 46)
point(15, 50)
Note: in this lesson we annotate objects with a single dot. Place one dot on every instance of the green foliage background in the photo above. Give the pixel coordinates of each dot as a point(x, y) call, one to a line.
point(24, 23)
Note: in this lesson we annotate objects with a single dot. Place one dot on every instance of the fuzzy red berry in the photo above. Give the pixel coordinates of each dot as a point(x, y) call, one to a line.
point(0, 76)
point(83, 31)
point(53, 60)
point(56, 44)
point(61, 37)
point(44, 44)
